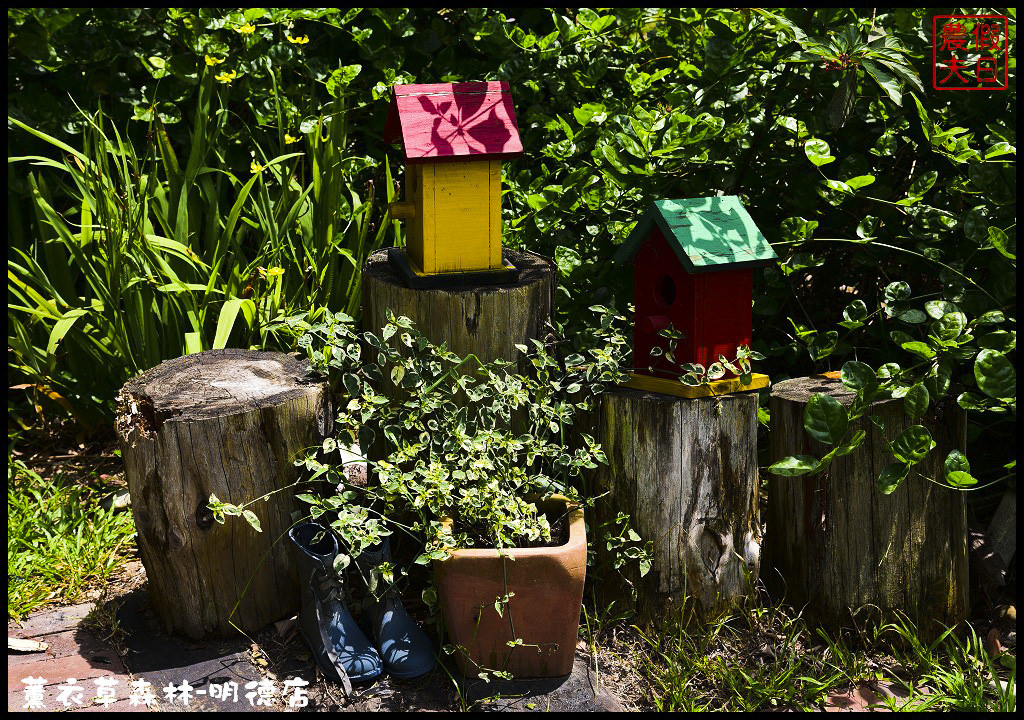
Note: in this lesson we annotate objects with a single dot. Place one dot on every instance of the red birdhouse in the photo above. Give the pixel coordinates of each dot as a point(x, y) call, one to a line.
point(694, 263)
point(455, 137)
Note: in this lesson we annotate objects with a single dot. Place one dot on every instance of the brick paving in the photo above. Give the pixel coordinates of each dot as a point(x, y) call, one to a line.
point(72, 654)
point(76, 654)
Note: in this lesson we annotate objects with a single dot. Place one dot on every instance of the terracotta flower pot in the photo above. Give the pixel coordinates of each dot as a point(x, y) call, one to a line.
point(545, 611)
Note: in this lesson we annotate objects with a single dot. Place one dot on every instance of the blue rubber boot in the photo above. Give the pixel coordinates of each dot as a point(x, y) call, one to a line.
point(406, 650)
point(341, 650)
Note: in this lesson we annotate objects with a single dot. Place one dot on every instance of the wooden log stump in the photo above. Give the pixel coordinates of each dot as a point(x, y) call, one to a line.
point(835, 544)
point(685, 470)
point(228, 423)
point(487, 320)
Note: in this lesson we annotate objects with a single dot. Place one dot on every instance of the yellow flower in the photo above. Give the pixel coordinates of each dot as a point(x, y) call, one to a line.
point(247, 29)
point(226, 77)
point(255, 167)
point(275, 272)
point(288, 139)
point(301, 40)
point(211, 61)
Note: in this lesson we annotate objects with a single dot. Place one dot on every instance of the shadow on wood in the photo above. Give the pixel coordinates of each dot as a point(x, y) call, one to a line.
point(835, 544)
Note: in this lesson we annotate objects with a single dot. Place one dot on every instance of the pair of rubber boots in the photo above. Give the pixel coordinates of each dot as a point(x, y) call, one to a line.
point(340, 648)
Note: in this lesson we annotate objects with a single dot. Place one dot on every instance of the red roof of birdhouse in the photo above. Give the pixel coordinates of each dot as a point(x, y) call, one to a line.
point(452, 120)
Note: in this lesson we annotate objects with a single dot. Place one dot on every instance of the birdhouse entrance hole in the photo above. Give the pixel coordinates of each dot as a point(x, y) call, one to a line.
point(665, 291)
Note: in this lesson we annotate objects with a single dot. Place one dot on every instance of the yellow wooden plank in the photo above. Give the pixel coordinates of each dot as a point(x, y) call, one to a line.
point(667, 386)
point(425, 219)
point(414, 224)
point(461, 213)
point(494, 199)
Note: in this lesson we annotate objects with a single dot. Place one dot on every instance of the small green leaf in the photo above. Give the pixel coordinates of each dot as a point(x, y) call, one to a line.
point(955, 461)
point(854, 314)
point(590, 112)
point(992, 317)
point(995, 375)
point(1000, 242)
point(795, 465)
point(950, 326)
point(912, 316)
point(843, 101)
point(351, 383)
point(919, 348)
point(1000, 148)
point(913, 444)
point(567, 260)
point(866, 228)
point(823, 345)
point(337, 84)
point(923, 183)
point(818, 152)
point(891, 477)
point(888, 370)
point(896, 291)
point(927, 126)
point(857, 375)
point(860, 181)
point(971, 401)
point(645, 566)
point(855, 442)
point(1002, 340)
point(959, 479)
point(938, 379)
point(938, 308)
point(915, 402)
point(825, 419)
point(888, 82)
point(226, 321)
point(250, 517)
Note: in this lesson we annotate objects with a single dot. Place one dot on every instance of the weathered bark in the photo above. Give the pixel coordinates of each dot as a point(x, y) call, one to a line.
point(835, 544)
point(685, 470)
point(488, 321)
point(228, 423)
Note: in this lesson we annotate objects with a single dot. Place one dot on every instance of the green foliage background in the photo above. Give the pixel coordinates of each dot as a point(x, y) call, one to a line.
point(859, 174)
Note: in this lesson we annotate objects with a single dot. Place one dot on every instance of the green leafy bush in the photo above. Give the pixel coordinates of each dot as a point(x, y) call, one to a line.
point(857, 171)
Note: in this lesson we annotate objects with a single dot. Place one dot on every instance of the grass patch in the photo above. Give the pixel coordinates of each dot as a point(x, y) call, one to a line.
point(60, 542)
point(959, 674)
point(766, 658)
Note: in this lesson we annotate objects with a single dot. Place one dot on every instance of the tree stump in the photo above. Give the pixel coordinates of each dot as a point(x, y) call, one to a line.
point(836, 544)
point(228, 423)
point(488, 320)
point(685, 470)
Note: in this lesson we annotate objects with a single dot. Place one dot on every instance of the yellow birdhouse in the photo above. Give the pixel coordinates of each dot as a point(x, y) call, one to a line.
point(455, 137)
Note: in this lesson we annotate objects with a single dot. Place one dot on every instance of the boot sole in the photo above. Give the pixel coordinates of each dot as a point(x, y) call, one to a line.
point(410, 675)
point(331, 669)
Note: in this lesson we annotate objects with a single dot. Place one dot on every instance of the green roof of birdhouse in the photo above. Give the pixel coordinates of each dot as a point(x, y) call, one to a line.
point(705, 233)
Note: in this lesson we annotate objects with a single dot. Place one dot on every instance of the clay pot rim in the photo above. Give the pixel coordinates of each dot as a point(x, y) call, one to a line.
point(577, 537)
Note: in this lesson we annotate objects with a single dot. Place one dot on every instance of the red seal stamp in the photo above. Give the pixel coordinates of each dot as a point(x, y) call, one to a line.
point(970, 52)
